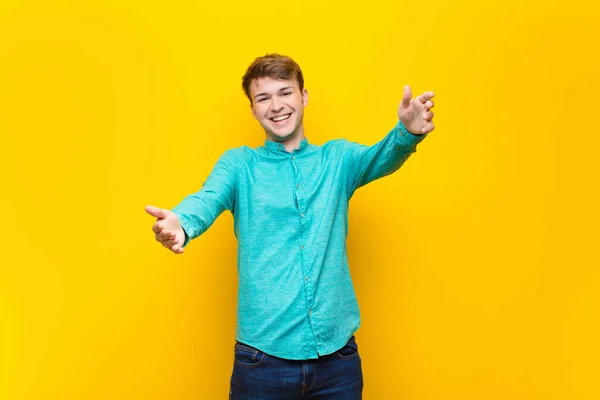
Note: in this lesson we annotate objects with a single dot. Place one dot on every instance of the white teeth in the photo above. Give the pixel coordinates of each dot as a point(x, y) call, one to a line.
point(281, 118)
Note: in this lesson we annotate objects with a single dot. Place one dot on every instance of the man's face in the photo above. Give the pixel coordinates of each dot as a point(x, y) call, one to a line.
point(278, 105)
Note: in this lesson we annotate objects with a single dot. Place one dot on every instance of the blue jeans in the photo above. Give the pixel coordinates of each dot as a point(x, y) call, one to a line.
point(259, 376)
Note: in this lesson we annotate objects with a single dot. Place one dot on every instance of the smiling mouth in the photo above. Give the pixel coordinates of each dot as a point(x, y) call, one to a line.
point(281, 120)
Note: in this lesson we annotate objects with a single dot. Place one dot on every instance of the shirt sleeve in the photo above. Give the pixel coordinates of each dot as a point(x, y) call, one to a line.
point(199, 210)
point(365, 164)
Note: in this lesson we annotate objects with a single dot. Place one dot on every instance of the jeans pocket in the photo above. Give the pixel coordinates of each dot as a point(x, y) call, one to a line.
point(349, 351)
point(247, 356)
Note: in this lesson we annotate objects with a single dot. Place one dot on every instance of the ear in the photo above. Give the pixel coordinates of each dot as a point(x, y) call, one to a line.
point(305, 97)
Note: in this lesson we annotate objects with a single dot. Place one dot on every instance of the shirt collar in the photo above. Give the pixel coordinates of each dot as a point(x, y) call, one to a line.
point(277, 147)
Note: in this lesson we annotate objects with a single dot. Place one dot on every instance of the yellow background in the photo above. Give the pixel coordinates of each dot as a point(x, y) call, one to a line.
point(476, 265)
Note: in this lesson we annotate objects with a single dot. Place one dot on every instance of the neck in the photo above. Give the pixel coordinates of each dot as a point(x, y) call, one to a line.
point(293, 143)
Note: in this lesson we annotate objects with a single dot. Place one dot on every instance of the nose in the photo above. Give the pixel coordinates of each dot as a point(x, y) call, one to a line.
point(276, 104)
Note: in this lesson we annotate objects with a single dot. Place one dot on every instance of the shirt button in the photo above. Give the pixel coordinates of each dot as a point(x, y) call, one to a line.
point(293, 158)
point(309, 312)
point(302, 215)
point(298, 186)
point(306, 279)
point(302, 247)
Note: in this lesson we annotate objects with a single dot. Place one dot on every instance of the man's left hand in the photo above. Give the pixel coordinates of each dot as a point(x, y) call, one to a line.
point(416, 114)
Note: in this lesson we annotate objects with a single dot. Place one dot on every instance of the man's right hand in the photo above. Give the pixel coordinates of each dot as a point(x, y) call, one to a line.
point(167, 228)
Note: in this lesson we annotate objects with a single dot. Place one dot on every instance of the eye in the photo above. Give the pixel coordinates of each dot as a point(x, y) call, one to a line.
point(287, 93)
point(261, 99)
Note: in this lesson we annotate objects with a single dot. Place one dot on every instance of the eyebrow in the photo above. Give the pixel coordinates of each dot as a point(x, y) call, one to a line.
point(281, 90)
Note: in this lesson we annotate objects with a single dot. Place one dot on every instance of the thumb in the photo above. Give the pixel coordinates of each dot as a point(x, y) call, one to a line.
point(156, 212)
point(406, 96)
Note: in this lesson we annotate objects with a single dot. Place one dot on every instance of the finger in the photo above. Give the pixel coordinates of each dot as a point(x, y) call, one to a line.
point(158, 227)
point(428, 127)
point(425, 96)
point(428, 115)
point(162, 236)
point(156, 212)
point(406, 96)
point(167, 244)
point(429, 104)
point(170, 243)
point(177, 249)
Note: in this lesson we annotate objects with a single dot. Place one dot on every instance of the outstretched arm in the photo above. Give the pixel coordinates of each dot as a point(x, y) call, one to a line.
point(368, 163)
point(196, 212)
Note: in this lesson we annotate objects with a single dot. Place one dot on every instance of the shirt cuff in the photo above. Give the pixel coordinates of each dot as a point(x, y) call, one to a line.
point(407, 138)
point(185, 226)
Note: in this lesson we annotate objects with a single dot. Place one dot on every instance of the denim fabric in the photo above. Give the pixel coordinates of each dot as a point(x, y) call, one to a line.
point(257, 375)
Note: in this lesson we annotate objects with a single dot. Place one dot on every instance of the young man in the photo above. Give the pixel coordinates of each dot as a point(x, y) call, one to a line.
point(297, 311)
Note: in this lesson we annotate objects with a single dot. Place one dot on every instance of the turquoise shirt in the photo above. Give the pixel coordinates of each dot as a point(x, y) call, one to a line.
point(296, 299)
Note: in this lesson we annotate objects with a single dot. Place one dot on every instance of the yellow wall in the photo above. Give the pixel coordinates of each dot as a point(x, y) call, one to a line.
point(476, 265)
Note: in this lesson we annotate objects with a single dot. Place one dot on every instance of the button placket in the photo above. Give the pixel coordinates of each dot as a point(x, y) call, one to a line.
point(299, 201)
point(297, 193)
